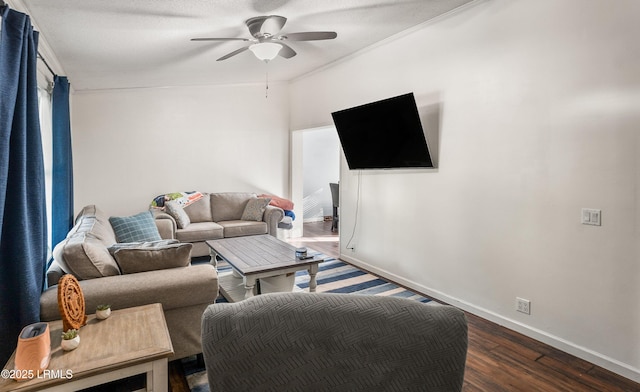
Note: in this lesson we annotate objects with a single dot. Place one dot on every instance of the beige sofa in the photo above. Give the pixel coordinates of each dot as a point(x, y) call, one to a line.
point(218, 215)
point(165, 276)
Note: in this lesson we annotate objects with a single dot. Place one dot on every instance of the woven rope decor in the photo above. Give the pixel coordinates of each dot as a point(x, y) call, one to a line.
point(71, 303)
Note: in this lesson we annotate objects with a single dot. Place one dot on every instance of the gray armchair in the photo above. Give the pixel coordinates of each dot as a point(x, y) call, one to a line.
point(333, 342)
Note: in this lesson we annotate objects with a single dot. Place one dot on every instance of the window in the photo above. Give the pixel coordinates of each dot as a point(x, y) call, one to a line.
point(46, 130)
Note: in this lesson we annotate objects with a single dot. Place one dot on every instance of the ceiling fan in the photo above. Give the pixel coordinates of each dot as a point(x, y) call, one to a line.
point(266, 43)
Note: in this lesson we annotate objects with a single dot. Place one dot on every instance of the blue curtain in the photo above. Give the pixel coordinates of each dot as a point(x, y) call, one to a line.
point(23, 221)
point(62, 179)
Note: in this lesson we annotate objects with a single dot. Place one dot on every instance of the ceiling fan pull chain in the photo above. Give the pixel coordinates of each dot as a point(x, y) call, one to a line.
point(266, 89)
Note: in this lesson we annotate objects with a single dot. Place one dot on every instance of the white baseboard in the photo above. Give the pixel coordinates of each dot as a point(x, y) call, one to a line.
point(589, 355)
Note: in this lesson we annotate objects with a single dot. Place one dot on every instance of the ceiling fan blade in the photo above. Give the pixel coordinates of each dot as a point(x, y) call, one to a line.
point(309, 36)
point(235, 52)
point(219, 39)
point(286, 51)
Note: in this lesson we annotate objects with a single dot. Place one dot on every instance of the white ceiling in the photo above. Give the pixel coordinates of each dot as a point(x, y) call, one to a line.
point(107, 44)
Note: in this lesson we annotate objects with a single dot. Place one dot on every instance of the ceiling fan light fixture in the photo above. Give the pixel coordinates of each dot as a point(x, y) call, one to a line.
point(265, 51)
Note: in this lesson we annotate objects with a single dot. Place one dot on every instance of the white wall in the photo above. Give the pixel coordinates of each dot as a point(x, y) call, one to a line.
point(537, 105)
point(132, 145)
point(321, 162)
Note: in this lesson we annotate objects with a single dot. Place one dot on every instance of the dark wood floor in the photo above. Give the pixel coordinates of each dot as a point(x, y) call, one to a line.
point(319, 237)
point(498, 359)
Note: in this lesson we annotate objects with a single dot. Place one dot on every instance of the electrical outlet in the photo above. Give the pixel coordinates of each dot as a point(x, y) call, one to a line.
point(523, 305)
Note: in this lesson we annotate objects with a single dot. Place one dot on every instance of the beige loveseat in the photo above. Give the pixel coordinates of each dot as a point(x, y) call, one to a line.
point(218, 215)
point(165, 276)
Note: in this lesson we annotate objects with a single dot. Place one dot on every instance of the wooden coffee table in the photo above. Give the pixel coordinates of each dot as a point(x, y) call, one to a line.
point(131, 341)
point(255, 257)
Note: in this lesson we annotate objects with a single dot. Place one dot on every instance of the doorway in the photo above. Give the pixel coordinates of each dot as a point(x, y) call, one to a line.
point(315, 162)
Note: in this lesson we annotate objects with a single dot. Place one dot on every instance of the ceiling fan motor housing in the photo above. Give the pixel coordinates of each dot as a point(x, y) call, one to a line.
point(265, 26)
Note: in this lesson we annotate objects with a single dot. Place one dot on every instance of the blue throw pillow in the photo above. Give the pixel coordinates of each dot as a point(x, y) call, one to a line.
point(137, 228)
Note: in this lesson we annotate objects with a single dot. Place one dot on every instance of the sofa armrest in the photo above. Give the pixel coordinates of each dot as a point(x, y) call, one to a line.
point(173, 288)
point(166, 225)
point(272, 216)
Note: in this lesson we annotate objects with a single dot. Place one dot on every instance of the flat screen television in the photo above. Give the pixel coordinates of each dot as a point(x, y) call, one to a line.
point(385, 134)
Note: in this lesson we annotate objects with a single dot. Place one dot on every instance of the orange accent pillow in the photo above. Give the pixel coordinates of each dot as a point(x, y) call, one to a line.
point(279, 202)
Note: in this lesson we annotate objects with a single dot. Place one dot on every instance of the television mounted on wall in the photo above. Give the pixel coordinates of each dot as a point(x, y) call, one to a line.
point(385, 134)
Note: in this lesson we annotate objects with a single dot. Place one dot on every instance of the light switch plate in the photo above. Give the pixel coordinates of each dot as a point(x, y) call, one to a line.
point(591, 216)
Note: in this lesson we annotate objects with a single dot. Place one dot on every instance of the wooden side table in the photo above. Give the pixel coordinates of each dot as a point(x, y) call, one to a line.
point(132, 341)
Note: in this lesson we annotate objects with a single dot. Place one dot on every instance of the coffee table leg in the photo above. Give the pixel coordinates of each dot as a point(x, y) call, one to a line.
point(214, 260)
point(313, 270)
point(249, 284)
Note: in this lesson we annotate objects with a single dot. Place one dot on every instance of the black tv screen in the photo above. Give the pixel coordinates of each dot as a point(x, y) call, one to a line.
point(386, 134)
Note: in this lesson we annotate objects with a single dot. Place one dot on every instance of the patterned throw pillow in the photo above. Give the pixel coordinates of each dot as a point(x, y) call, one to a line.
point(255, 209)
point(177, 212)
point(137, 228)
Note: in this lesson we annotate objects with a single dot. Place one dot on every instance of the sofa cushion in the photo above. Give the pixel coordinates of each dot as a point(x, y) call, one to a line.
point(200, 211)
point(83, 252)
point(229, 206)
point(201, 231)
point(254, 210)
point(152, 256)
point(177, 212)
point(85, 257)
point(135, 228)
point(94, 221)
point(239, 228)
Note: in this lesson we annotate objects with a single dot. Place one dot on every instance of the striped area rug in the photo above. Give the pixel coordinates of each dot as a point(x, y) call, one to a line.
point(334, 276)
